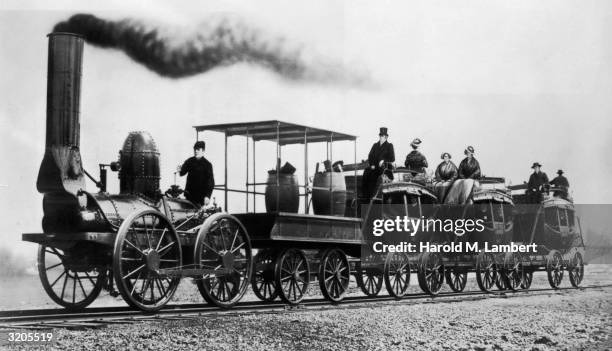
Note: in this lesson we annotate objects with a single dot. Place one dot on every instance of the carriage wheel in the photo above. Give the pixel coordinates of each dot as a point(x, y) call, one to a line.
point(292, 276)
point(456, 279)
point(575, 269)
point(396, 273)
point(528, 272)
point(513, 271)
point(72, 289)
point(263, 276)
point(554, 268)
point(431, 273)
point(370, 279)
point(334, 275)
point(145, 244)
point(486, 271)
point(223, 252)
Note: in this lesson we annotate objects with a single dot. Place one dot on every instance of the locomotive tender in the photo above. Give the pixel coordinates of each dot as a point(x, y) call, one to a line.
point(142, 242)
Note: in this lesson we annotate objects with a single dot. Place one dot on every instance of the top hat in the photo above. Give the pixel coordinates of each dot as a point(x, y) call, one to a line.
point(469, 149)
point(536, 164)
point(416, 142)
point(444, 154)
point(383, 131)
point(560, 172)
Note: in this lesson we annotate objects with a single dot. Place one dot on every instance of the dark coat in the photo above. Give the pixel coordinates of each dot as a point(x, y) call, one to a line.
point(200, 179)
point(560, 181)
point(469, 169)
point(447, 172)
point(536, 180)
point(380, 152)
point(416, 161)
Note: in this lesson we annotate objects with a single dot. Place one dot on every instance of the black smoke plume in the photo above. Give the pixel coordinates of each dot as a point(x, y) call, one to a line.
point(218, 42)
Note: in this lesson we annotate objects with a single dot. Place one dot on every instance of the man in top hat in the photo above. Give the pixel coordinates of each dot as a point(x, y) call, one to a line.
point(538, 183)
point(469, 168)
point(380, 160)
point(562, 184)
point(200, 179)
point(415, 160)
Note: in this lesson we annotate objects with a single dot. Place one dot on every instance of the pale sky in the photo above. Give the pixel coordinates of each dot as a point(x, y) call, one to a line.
point(521, 81)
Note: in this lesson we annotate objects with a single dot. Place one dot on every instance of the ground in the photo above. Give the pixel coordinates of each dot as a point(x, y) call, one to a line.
point(567, 319)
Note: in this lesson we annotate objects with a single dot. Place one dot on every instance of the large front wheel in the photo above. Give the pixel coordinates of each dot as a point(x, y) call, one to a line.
point(223, 252)
point(147, 260)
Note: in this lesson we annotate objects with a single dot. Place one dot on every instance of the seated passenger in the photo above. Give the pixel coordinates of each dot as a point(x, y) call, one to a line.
point(562, 184)
point(380, 161)
point(446, 173)
point(469, 168)
point(416, 161)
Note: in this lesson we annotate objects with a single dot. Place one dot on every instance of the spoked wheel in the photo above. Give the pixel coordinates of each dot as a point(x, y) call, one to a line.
point(554, 268)
point(486, 271)
point(146, 260)
point(456, 278)
point(430, 273)
point(396, 273)
point(223, 252)
point(263, 276)
point(68, 285)
point(513, 272)
point(334, 275)
point(528, 272)
point(575, 269)
point(369, 279)
point(292, 276)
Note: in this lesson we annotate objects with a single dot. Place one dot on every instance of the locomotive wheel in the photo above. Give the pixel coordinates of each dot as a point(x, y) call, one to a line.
point(292, 276)
point(223, 250)
point(369, 279)
point(513, 271)
point(486, 271)
point(334, 275)
point(456, 279)
point(396, 273)
point(263, 276)
point(575, 269)
point(431, 273)
point(528, 273)
point(71, 289)
point(554, 268)
point(146, 242)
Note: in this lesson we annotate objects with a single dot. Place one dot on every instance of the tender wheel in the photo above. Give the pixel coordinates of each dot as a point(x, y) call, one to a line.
point(369, 279)
point(146, 244)
point(396, 273)
point(69, 285)
point(263, 276)
point(223, 251)
point(292, 276)
point(528, 272)
point(575, 269)
point(456, 279)
point(486, 271)
point(554, 268)
point(334, 275)
point(431, 273)
point(513, 271)
point(500, 281)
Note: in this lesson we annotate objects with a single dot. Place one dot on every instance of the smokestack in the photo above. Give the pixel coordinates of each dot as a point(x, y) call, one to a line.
point(61, 169)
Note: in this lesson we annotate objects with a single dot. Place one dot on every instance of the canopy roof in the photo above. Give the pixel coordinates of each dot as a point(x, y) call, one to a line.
point(288, 133)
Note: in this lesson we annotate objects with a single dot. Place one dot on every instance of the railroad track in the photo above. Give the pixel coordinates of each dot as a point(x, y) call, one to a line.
point(100, 317)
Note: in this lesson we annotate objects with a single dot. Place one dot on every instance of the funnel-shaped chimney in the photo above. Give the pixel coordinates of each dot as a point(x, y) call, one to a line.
point(61, 169)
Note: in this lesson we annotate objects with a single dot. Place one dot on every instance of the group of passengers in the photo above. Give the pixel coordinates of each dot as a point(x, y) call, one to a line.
point(382, 157)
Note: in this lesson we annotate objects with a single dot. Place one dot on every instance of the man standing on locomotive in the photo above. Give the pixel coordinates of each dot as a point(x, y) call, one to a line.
point(562, 183)
point(415, 160)
point(469, 168)
point(200, 178)
point(380, 161)
point(538, 183)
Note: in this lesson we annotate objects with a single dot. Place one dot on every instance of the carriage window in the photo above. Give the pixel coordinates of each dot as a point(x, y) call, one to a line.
point(551, 216)
point(508, 211)
point(563, 217)
point(498, 213)
point(570, 218)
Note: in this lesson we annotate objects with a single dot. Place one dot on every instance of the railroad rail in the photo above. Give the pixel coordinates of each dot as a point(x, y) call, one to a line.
point(100, 317)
